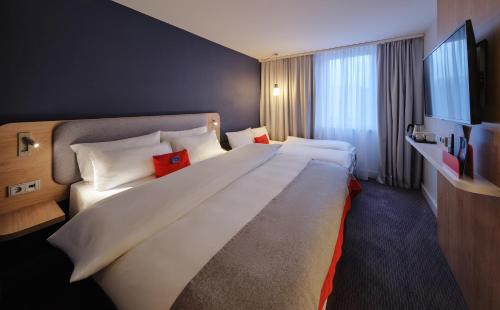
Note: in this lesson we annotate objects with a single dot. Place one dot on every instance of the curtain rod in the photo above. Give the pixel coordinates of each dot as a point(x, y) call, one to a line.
point(414, 36)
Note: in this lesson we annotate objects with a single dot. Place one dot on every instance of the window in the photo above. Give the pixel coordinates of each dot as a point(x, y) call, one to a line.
point(346, 101)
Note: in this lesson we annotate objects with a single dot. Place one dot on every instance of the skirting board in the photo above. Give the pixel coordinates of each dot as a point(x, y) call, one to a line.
point(428, 197)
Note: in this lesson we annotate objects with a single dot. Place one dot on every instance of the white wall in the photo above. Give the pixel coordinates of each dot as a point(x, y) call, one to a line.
point(429, 181)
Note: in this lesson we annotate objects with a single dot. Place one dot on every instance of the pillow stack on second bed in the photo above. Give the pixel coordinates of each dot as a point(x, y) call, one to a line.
point(339, 152)
point(248, 136)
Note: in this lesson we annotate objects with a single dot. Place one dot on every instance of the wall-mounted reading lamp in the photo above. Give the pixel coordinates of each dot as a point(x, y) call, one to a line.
point(25, 143)
point(215, 123)
point(30, 142)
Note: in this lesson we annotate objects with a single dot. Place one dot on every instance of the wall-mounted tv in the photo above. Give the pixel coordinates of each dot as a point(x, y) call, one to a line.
point(451, 78)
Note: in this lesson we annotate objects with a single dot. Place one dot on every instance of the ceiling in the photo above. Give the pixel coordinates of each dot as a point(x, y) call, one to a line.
point(259, 28)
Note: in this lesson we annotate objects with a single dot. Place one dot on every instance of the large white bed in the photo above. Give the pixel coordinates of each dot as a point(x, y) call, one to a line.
point(216, 234)
point(83, 194)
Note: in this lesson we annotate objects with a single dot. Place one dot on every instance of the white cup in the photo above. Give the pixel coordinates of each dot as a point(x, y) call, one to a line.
point(419, 136)
point(430, 137)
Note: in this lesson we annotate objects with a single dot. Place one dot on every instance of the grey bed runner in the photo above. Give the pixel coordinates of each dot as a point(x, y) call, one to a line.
point(279, 260)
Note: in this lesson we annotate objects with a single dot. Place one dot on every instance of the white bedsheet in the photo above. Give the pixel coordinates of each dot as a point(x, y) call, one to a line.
point(83, 195)
point(345, 159)
point(97, 236)
point(148, 242)
point(159, 268)
point(329, 150)
point(327, 144)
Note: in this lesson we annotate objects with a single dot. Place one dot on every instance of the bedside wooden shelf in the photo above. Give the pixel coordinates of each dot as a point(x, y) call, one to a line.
point(28, 219)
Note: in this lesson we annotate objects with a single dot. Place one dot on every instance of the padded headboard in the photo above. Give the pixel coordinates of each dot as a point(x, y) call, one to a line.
point(65, 167)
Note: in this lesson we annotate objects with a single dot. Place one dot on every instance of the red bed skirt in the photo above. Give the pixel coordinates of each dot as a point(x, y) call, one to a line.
point(326, 290)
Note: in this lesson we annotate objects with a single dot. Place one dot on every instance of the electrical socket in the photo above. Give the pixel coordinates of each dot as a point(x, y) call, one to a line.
point(24, 188)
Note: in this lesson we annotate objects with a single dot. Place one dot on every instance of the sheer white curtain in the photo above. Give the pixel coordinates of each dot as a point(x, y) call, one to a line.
point(346, 102)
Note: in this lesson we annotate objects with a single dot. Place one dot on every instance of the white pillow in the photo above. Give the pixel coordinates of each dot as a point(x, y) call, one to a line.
point(83, 151)
point(117, 167)
point(257, 132)
point(199, 147)
point(167, 136)
point(240, 138)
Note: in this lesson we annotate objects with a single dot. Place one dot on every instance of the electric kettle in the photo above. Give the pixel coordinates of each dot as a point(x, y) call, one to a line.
point(413, 130)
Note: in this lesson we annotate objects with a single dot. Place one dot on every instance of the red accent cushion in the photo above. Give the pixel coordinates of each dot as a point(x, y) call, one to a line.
point(168, 163)
point(262, 139)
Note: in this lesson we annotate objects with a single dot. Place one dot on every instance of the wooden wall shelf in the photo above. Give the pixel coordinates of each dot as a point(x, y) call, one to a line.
point(477, 185)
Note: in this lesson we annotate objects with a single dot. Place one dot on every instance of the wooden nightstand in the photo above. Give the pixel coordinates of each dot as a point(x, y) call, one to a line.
point(29, 219)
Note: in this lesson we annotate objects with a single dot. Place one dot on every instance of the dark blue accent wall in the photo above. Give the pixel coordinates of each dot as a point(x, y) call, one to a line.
point(68, 59)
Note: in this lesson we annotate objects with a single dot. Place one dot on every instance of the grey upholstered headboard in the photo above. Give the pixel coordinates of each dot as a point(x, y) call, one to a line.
point(65, 167)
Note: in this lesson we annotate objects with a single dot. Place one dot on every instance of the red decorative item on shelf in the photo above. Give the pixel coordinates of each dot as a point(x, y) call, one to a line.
point(452, 162)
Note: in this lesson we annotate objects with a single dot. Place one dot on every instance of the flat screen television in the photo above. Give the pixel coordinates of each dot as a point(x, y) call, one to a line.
point(451, 78)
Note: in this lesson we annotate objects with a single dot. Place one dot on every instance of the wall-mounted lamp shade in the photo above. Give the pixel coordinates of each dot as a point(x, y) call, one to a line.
point(276, 90)
point(25, 144)
point(30, 142)
point(215, 123)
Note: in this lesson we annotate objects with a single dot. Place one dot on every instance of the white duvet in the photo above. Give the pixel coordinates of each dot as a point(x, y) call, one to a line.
point(345, 159)
point(144, 245)
point(336, 151)
point(326, 144)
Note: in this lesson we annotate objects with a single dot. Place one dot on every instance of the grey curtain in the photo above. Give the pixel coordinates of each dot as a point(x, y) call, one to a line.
point(400, 102)
point(290, 113)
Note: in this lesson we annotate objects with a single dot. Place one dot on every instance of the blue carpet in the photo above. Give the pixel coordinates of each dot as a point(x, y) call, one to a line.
point(391, 258)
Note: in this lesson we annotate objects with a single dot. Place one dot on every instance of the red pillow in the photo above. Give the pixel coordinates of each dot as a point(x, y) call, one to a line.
point(262, 139)
point(168, 163)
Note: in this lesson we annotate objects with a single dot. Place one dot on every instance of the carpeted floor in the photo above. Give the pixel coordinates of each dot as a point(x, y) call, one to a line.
point(391, 258)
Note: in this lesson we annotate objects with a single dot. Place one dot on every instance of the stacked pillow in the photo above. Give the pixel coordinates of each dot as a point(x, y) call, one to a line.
point(261, 131)
point(83, 151)
point(113, 163)
point(199, 147)
point(117, 167)
point(168, 136)
point(240, 138)
point(248, 136)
